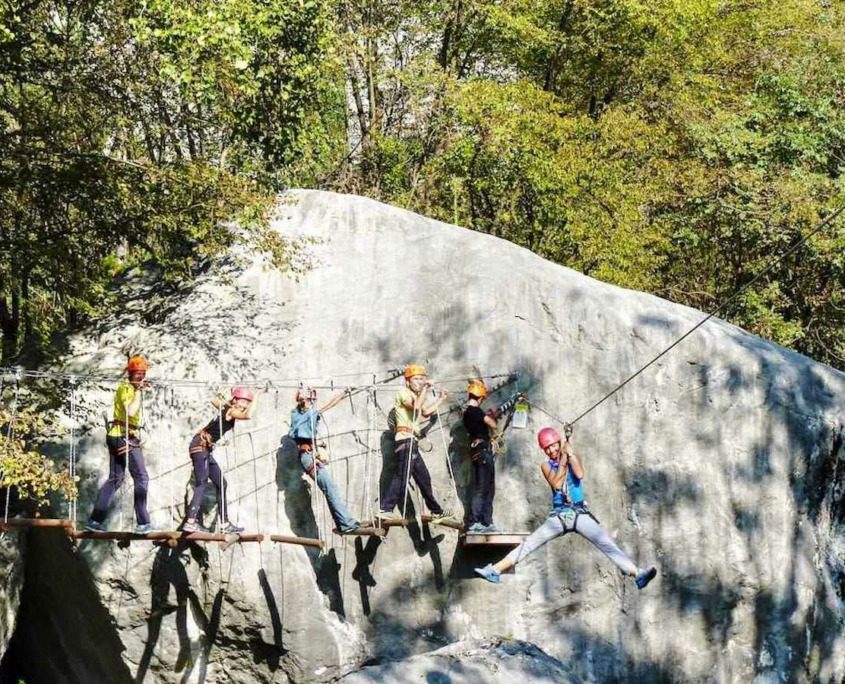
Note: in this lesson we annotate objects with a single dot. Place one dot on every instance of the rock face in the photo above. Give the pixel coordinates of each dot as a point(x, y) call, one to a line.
point(468, 662)
point(722, 465)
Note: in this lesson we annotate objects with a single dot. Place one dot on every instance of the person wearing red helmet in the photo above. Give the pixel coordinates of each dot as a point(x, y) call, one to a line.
point(564, 472)
point(413, 404)
point(304, 420)
point(124, 444)
point(239, 407)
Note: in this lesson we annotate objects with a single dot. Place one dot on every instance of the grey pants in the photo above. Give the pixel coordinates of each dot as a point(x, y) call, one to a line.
point(569, 520)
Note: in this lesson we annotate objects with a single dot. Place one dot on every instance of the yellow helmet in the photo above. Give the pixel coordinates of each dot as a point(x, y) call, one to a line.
point(477, 388)
point(414, 369)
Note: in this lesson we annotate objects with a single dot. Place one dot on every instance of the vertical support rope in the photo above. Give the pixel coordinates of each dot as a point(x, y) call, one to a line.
point(10, 434)
point(414, 417)
point(71, 503)
point(169, 403)
point(254, 480)
point(222, 492)
point(448, 458)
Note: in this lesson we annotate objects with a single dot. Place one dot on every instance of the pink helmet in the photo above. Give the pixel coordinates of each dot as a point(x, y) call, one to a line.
point(547, 436)
point(242, 393)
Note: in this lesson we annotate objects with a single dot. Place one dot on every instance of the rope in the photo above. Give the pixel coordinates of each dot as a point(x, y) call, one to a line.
point(826, 222)
point(448, 459)
point(10, 434)
point(415, 417)
point(71, 504)
point(103, 378)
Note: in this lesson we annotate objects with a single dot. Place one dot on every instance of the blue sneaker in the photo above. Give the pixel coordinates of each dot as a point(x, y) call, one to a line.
point(645, 576)
point(143, 529)
point(489, 573)
point(476, 528)
point(490, 529)
point(94, 526)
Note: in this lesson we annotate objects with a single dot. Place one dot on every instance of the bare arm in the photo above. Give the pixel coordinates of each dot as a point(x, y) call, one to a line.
point(335, 400)
point(431, 407)
point(555, 479)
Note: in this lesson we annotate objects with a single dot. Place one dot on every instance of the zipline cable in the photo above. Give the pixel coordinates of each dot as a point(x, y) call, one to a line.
point(821, 226)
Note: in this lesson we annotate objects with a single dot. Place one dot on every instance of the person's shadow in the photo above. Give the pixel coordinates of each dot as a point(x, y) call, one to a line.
point(169, 570)
point(299, 511)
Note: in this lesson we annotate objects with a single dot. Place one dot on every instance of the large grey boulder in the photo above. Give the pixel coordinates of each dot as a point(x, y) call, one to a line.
point(722, 465)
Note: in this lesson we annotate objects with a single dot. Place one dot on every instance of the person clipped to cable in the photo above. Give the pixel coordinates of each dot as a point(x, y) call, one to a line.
point(412, 406)
point(239, 407)
point(304, 420)
point(480, 427)
point(124, 444)
point(564, 472)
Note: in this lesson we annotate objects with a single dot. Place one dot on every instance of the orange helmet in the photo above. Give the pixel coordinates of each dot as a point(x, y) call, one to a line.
point(414, 369)
point(137, 364)
point(477, 388)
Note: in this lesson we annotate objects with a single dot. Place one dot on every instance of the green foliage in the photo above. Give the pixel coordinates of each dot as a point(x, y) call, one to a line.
point(667, 146)
point(23, 467)
point(137, 132)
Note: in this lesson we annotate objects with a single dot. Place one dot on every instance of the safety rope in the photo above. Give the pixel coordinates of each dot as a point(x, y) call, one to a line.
point(10, 435)
point(71, 503)
point(442, 427)
point(821, 226)
point(268, 383)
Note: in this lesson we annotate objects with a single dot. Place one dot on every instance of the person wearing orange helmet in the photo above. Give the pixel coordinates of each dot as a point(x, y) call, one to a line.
point(123, 440)
point(479, 425)
point(412, 406)
point(304, 421)
point(201, 449)
point(564, 473)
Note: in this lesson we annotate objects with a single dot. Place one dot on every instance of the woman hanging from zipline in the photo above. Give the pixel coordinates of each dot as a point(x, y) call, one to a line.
point(413, 405)
point(239, 407)
point(564, 473)
point(304, 420)
point(123, 440)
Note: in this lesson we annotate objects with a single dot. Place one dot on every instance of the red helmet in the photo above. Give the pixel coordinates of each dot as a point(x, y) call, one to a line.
point(137, 364)
point(547, 436)
point(242, 393)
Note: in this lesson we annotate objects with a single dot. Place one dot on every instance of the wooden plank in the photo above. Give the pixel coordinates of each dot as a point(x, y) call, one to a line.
point(387, 523)
point(165, 536)
point(34, 522)
point(496, 539)
point(428, 518)
point(364, 531)
point(299, 541)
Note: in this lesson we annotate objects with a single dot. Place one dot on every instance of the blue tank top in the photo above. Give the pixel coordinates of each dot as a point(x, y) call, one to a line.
point(572, 492)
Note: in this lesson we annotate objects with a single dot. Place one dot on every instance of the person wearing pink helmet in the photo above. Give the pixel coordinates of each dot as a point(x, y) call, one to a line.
point(239, 407)
point(564, 472)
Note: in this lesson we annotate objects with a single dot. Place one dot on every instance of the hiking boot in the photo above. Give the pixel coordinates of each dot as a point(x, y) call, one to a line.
point(444, 517)
point(349, 530)
point(94, 526)
point(143, 529)
point(645, 576)
point(489, 573)
point(231, 528)
point(192, 525)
